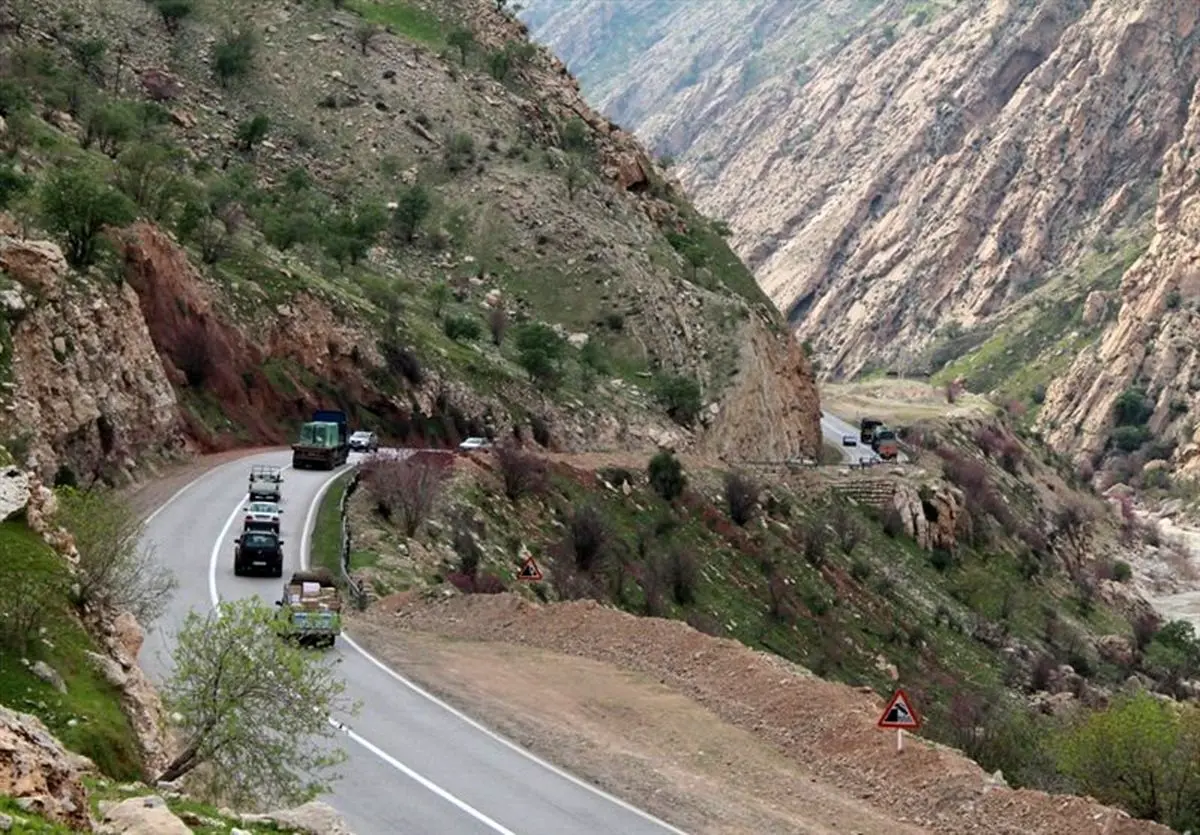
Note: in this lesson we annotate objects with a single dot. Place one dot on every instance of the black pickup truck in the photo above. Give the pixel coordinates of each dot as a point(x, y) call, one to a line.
point(259, 551)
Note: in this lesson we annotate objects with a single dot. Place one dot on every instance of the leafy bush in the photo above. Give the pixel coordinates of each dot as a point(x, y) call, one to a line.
point(173, 13)
point(1130, 438)
point(1132, 408)
point(412, 207)
point(110, 126)
point(459, 153)
point(683, 573)
point(1121, 572)
point(589, 537)
point(462, 328)
point(680, 396)
point(77, 204)
point(540, 351)
point(666, 475)
point(252, 131)
point(233, 56)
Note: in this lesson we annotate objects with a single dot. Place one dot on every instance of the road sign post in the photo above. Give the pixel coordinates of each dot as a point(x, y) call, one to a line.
point(901, 715)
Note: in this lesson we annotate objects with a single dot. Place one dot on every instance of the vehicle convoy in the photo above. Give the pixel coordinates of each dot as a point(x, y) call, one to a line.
point(265, 483)
point(260, 551)
point(311, 608)
point(324, 442)
point(880, 437)
point(262, 516)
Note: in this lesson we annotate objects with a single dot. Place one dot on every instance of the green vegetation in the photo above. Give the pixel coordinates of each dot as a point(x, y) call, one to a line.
point(1017, 358)
point(326, 545)
point(39, 624)
point(235, 688)
point(407, 19)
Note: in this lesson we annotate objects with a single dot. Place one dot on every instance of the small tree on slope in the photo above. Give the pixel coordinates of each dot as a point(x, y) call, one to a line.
point(252, 708)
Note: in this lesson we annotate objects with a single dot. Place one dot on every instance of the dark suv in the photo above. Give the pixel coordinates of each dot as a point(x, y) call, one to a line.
point(258, 551)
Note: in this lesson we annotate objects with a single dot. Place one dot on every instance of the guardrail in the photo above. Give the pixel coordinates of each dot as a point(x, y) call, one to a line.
point(357, 593)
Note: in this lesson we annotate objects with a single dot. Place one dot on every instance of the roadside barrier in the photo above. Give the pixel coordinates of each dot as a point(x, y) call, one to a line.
point(358, 594)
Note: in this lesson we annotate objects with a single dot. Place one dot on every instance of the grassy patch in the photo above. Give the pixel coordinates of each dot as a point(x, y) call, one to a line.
point(405, 19)
point(327, 530)
point(88, 717)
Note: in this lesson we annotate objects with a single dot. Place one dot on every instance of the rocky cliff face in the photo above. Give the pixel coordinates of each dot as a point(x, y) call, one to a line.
point(86, 386)
point(1151, 348)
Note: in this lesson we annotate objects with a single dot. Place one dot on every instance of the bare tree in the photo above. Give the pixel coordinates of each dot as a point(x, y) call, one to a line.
point(741, 496)
point(404, 489)
point(521, 472)
point(498, 323)
point(116, 571)
point(364, 34)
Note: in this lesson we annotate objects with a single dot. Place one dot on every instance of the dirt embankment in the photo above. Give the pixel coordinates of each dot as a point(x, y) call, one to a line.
point(826, 730)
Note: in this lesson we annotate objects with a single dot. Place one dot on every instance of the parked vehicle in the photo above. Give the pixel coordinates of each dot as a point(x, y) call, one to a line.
point(311, 608)
point(324, 442)
point(363, 441)
point(262, 516)
point(258, 550)
point(265, 483)
point(475, 443)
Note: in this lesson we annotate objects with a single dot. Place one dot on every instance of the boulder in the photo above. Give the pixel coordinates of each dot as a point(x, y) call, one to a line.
point(39, 773)
point(147, 815)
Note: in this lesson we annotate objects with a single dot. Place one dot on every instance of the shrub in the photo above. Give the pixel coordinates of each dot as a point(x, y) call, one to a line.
point(860, 570)
point(402, 361)
point(233, 56)
point(680, 396)
point(741, 497)
point(1132, 407)
point(521, 473)
point(683, 571)
point(115, 570)
point(847, 528)
point(462, 328)
point(364, 34)
point(412, 207)
point(498, 324)
point(1121, 572)
point(666, 475)
point(173, 13)
point(1130, 438)
point(109, 126)
point(813, 543)
point(78, 204)
point(13, 184)
point(589, 537)
point(459, 152)
point(893, 522)
point(252, 131)
point(540, 351)
point(405, 489)
point(463, 40)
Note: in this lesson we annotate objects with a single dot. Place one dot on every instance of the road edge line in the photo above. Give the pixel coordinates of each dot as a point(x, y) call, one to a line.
point(309, 521)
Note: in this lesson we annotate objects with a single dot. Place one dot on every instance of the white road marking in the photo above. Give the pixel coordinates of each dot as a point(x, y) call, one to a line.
point(309, 521)
point(215, 596)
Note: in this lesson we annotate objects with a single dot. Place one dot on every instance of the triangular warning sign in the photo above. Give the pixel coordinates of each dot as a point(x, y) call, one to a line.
point(899, 713)
point(529, 571)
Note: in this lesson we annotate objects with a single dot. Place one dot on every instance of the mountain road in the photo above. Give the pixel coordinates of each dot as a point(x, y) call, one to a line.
point(415, 764)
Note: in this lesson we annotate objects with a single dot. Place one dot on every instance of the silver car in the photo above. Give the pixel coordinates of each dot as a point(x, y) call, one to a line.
point(262, 516)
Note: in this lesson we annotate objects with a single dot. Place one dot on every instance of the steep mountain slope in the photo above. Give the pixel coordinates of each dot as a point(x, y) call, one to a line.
point(340, 208)
point(674, 71)
point(959, 188)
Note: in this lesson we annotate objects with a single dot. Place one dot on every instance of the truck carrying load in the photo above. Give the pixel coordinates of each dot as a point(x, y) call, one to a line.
point(324, 441)
point(885, 443)
point(312, 607)
point(264, 483)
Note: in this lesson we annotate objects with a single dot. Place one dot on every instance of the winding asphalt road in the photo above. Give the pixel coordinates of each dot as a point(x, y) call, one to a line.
point(416, 765)
point(833, 428)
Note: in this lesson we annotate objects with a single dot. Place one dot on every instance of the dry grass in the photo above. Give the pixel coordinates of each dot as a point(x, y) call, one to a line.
point(897, 401)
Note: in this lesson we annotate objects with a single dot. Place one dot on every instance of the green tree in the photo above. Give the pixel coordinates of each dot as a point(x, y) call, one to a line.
point(77, 204)
point(115, 570)
point(680, 396)
point(351, 232)
point(412, 207)
point(89, 54)
point(286, 226)
point(540, 352)
point(1173, 654)
point(150, 174)
point(666, 475)
point(234, 56)
point(575, 135)
point(212, 215)
point(253, 707)
point(463, 40)
point(173, 13)
point(1139, 754)
point(252, 131)
point(462, 328)
point(574, 174)
point(111, 125)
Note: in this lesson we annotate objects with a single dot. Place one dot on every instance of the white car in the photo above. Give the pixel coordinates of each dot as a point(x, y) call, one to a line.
point(262, 516)
point(474, 443)
point(363, 441)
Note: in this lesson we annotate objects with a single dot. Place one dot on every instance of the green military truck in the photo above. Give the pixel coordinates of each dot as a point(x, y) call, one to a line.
point(311, 608)
point(324, 442)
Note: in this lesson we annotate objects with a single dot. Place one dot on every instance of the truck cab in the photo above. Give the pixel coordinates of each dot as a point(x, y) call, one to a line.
point(867, 427)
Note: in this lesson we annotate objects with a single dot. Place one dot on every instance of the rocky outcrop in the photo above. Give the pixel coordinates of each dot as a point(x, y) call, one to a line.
point(88, 389)
point(772, 411)
point(42, 775)
point(1152, 345)
point(313, 818)
point(147, 815)
point(929, 512)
